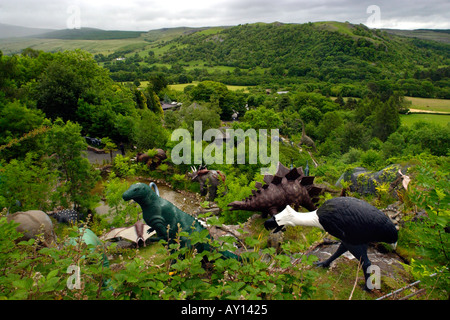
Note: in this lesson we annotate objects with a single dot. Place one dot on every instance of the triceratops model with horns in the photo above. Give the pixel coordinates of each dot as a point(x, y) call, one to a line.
point(209, 180)
point(286, 187)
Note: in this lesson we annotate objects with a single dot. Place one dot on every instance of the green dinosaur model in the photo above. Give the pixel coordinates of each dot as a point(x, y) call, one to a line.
point(166, 219)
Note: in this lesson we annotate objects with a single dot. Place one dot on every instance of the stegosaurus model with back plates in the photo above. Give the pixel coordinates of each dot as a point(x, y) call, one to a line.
point(286, 187)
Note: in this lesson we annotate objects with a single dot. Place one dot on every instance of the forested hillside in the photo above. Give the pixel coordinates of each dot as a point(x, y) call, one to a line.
point(335, 58)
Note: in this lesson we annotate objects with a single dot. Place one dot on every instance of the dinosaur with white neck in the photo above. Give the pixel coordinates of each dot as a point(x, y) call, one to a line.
point(353, 221)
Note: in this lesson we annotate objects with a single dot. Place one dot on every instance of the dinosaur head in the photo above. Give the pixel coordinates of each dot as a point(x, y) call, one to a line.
point(138, 191)
point(193, 174)
point(279, 221)
point(273, 224)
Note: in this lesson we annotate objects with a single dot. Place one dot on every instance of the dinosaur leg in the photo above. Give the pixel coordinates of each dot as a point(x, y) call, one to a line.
point(340, 250)
point(203, 190)
point(360, 253)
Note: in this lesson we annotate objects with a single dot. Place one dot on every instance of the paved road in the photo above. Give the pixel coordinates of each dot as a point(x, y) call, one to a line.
point(99, 158)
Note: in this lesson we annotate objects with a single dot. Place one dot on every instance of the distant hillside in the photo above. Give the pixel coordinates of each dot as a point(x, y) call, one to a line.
point(89, 34)
point(328, 51)
point(10, 31)
point(441, 35)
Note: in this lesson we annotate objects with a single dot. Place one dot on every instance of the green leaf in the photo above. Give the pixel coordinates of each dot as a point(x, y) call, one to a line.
point(52, 274)
point(214, 256)
point(132, 279)
point(50, 285)
point(442, 221)
point(23, 283)
point(214, 222)
point(29, 242)
point(440, 193)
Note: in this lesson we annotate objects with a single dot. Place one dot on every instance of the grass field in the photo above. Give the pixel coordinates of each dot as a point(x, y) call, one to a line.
point(16, 45)
point(410, 119)
point(428, 104)
point(148, 40)
point(180, 87)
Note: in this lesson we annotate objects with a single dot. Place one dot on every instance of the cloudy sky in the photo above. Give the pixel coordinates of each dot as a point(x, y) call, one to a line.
point(154, 14)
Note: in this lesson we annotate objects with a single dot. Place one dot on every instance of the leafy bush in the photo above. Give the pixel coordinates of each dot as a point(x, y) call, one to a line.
point(429, 235)
point(121, 212)
point(123, 168)
point(66, 145)
point(182, 275)
point(30, 272)
point(371, 159)
point(179, 181)
point(237, 188)
point(28, 181)
point(148, 132)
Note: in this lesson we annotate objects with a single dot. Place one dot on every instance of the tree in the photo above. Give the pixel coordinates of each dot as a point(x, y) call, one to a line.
point(98, 120)
point(217, 93)
point(72, 79)
point(386, 119)
point(148, 132)
point(310, 114)
point(263, 118)
point(352, 134)
point(283, 102)
point(330, 121)
point(158, 82)
point(153, 102)
point(59, 88)
point(26, 182)
point(8, 71)
point(140, 99)
point(207, 113)
point(428, 136)
point(110, 146)
point(76, 176)
point(15, 121)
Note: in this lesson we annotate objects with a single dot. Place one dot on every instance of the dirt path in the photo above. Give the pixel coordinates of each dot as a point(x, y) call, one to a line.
point(427, 111)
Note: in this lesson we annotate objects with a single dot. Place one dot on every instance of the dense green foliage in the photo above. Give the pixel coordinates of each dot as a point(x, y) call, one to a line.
point(431, 235)
point(330, 57)
point(29, 273)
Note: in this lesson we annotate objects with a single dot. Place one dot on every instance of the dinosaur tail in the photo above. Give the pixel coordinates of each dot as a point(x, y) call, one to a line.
point(225, 254)
point(230, 255)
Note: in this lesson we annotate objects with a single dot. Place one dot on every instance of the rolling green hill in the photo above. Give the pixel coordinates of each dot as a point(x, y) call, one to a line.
point(330, 51)
point(11, 31)
point(424, 34)
point(333, 57)
point(92, 40)
point(89, 34)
